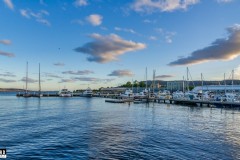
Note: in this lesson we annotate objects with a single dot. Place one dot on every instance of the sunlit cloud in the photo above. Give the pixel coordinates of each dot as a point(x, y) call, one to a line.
point(7, 54)
point(59, 64)
point(163, 76)
point(121, 73)
point(150, 6)
point(125, 30)
point(9, 4)
point(5, 42)
point(94, 19)
point(224, 49)
point(105, 49)
point(38, 16)
point(84, 72)
point(79, 3)
point(7, 80)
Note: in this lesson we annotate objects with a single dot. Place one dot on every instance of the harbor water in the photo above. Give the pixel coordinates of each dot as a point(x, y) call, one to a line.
point(89, 128)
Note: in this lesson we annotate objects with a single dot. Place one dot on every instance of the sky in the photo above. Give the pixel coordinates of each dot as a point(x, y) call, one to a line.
point(105, 43)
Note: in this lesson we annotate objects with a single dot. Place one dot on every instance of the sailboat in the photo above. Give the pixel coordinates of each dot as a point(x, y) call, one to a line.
point(26, 94)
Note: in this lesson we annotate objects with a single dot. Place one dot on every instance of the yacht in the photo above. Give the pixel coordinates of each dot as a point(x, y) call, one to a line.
point(127, 94)
point(65, 93)
point(88, 92)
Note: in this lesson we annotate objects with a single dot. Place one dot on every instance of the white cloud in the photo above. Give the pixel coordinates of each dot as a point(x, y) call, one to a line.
point(9, 4)
point(5, 42)
point(125, 30)
point(79, 3)
point(221, 49)
point(153, 38)
point(224, 1)
point(150, 6)
point(105, 49)
point(30, 80)
point(38, 16)
point(94, 19)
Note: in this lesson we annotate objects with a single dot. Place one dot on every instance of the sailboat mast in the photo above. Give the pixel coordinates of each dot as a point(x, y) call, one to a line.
point(26, 78)
point(39, 80)
point(202, 86)
point(232, 79)
point(187, 81)
point(146, 78)
point(224, 84)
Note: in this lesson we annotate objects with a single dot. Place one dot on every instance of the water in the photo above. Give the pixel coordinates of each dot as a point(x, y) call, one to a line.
point(89, 128)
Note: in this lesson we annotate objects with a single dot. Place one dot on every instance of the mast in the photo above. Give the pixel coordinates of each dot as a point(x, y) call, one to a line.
point(153, 87)
point(183, 85)
point(39, 82)
point(187, 81)
point(202, 86)
point(146, 78)
point(224, 84)
point(232, 79)
point(26, 78)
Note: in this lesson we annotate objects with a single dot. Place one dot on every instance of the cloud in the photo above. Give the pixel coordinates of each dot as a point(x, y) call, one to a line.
point(224, 1)
point(38, 16)
point(150, 6)
point(6, 80)
point(121, 73)
point(94, 19)
point(221, 49)
point(125, 30)
point(79, 3)
point(153, 38)
point(163, 76)
point(59, 64)
point(30, 80)
point(9, 4)
point(8, 74)
point(5, 42)
point(105, 49)
point(52, 75)
point(67, 81)
point(42, 2)
point(7, 54)
point(84, 72)
point(92, 79)
point(168, 36)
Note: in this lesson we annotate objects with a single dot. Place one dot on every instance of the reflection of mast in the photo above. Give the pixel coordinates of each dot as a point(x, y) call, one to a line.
point(26, 79)
point(39, 82)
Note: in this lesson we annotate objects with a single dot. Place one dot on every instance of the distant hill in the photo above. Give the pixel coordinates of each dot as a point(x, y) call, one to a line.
point(11, 90)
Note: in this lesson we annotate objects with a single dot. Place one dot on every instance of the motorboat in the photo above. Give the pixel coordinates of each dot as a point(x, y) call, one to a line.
point(88, 92)
point(65, 93)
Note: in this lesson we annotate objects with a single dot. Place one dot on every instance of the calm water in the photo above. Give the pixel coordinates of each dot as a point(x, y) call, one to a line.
point(89, 128)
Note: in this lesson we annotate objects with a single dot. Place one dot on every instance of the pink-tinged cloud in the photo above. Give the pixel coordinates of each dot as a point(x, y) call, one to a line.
point(7, 54)
point(105, 49)
point(9, 4)
point(224, 49)
point(5, 42)
point(94, 19)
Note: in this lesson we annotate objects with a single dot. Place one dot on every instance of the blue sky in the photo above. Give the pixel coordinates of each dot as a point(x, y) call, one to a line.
point(104, 43)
